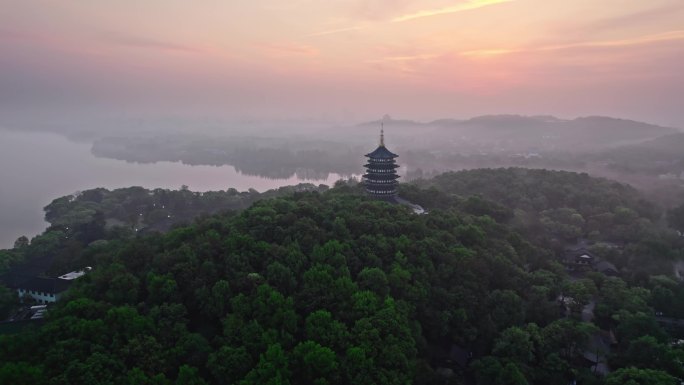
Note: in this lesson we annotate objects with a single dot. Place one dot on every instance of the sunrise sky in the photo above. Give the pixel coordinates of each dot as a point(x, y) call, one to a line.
point(344, 59)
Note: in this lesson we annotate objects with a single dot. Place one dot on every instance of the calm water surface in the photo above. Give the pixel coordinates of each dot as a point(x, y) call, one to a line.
point(35, 168)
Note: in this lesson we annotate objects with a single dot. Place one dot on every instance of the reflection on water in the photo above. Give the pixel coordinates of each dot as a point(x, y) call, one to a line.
point(267, 157)
point(38, 167)
point(301, 174)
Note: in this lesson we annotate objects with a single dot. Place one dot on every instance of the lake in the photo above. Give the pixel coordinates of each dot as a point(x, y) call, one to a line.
point(36, 168)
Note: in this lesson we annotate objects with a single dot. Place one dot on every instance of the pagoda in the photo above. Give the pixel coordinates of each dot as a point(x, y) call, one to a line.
point(381, 177)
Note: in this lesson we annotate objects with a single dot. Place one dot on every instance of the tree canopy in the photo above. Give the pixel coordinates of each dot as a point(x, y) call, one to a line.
point(330, 287)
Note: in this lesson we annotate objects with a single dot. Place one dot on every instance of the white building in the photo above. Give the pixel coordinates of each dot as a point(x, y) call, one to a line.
point(45, 290)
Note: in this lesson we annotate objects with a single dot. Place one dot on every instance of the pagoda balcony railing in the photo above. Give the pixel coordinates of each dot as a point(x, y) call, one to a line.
point(381, 181)
point(385, 166)
point(380, 177)
point(370, 179)
point(382, 192)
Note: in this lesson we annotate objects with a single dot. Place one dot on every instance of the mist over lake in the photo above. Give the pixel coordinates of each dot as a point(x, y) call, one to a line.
point(36, 168)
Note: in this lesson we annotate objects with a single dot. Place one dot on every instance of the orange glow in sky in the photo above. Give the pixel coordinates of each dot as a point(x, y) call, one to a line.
point(347, 59)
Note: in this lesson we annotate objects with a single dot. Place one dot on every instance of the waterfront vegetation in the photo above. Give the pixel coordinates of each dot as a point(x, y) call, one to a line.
point(311, 285)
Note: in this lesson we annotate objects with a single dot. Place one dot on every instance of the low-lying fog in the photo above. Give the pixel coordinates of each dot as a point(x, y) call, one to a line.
point(38, 165)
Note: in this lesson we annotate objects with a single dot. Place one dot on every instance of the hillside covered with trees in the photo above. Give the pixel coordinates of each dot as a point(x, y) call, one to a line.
point(555, 209)
point(330, 287)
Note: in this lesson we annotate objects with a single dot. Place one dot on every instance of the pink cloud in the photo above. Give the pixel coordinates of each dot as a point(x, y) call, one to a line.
point(462, 7)
point(639, 40)
point(290, 49)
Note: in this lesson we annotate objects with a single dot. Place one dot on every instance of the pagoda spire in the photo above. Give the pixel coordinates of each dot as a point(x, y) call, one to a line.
point(382, 134)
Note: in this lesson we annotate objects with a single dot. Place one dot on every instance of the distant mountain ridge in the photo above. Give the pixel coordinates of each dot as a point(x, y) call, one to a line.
point(516, 119)
point(519, 132)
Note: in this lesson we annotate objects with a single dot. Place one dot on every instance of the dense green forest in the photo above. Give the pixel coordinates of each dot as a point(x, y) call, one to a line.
point(554, 209)
point(100, 215)
point(156, 209)
point(331, 287)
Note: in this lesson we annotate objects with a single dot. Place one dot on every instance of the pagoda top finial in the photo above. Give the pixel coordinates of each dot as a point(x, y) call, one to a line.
point(382, 134)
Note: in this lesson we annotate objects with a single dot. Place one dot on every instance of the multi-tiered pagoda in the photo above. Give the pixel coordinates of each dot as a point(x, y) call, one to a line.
point(381, 177)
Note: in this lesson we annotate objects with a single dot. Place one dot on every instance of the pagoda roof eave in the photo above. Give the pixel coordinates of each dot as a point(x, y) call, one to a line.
point(382, 153)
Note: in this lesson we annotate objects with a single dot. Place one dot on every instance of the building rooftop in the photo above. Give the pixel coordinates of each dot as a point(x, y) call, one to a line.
point(38, 284)
point(573, 255)
point(382, 153)
point(74, 274)
point(606, 267)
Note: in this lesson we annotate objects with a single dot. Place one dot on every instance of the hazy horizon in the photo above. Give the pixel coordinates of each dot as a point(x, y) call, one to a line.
point(157, 83)
point(341, 61)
